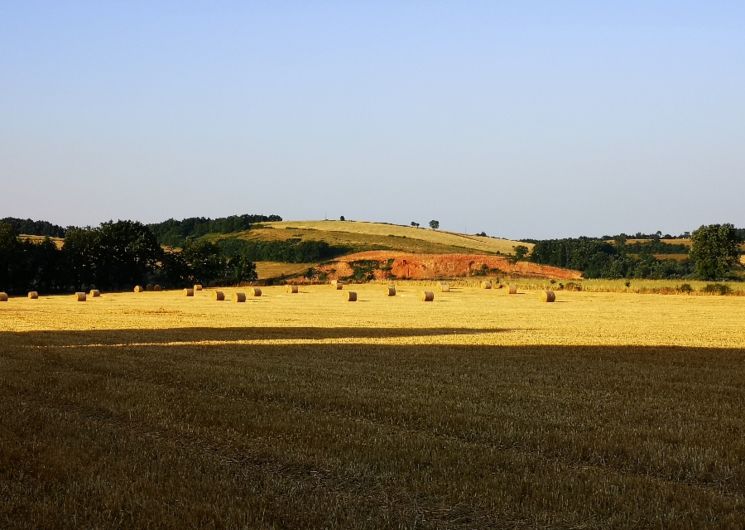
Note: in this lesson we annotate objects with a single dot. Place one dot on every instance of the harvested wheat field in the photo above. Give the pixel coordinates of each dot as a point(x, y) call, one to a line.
point(476, 410)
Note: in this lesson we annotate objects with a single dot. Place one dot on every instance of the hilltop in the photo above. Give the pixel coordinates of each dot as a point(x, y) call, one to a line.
point(360, 236)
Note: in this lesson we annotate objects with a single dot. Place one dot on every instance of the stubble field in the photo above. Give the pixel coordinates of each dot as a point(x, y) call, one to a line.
point(477, 410)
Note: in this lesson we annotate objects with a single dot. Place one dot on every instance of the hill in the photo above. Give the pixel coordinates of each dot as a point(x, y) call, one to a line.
point(346, 239)
point(359, 236)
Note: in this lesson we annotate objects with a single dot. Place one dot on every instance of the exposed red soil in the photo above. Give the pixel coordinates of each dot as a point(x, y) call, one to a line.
point(434, 266)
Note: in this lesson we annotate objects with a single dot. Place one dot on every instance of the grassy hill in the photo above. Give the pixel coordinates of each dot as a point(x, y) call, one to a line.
point(360, 236)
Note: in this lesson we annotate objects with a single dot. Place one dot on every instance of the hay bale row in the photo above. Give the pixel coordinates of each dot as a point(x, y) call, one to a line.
point(546, 295)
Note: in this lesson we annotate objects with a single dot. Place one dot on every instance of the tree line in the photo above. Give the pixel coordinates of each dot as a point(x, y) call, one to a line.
point(292, 250)
point(172, 232)
point(176, 233)
point(713, 255)
point(34, 228)
point(113, 256)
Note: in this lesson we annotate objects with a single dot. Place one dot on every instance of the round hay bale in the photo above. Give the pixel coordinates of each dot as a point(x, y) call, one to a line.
point(256, 291)
point(240, 297)
point(334, 282)
point(198, 287)
point(391, 290)
point(33, 295)
point(219, 296)
point(80, 297)
point(95, 293)
point(3, 297)
point(513, 289)
point(486, 284)
point(351, 296)
point(548, 296)
point(157, 288)
point(427, 296)
point(139, 288)
point(149, 287)
point(444, 287)
point(189, 291)
point(292, 289)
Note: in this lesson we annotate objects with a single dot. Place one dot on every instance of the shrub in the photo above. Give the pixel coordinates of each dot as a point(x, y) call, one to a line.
point(685, 288)
point(364, 270)
point(481, 271)
point(717, 288)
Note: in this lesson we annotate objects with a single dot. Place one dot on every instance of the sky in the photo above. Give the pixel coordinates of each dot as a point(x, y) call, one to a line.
point(523, 119)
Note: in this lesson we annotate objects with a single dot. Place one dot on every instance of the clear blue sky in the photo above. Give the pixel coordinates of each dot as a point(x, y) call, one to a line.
point(523, 119)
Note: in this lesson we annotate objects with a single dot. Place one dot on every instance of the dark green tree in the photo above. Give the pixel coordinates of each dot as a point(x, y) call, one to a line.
point(127, 254)
point(520, 252)
point(714, 250)
point(80, 255)
point(205, 260)
point(10, 250)
point(434, 224)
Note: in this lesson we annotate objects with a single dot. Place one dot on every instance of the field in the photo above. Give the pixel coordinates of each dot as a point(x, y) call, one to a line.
point(638, 286)
point(277, 269)
point(361, 235)
point(478, 410)
point(58, 241)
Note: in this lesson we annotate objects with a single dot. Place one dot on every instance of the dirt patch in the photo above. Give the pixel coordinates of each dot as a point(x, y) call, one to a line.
point(433, 266)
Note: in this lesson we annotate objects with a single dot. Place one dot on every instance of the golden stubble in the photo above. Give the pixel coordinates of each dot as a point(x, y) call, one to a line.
point(463, 316)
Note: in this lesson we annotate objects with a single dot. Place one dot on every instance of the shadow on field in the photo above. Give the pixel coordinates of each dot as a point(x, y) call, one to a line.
point(366, 436)
point(131, 336)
